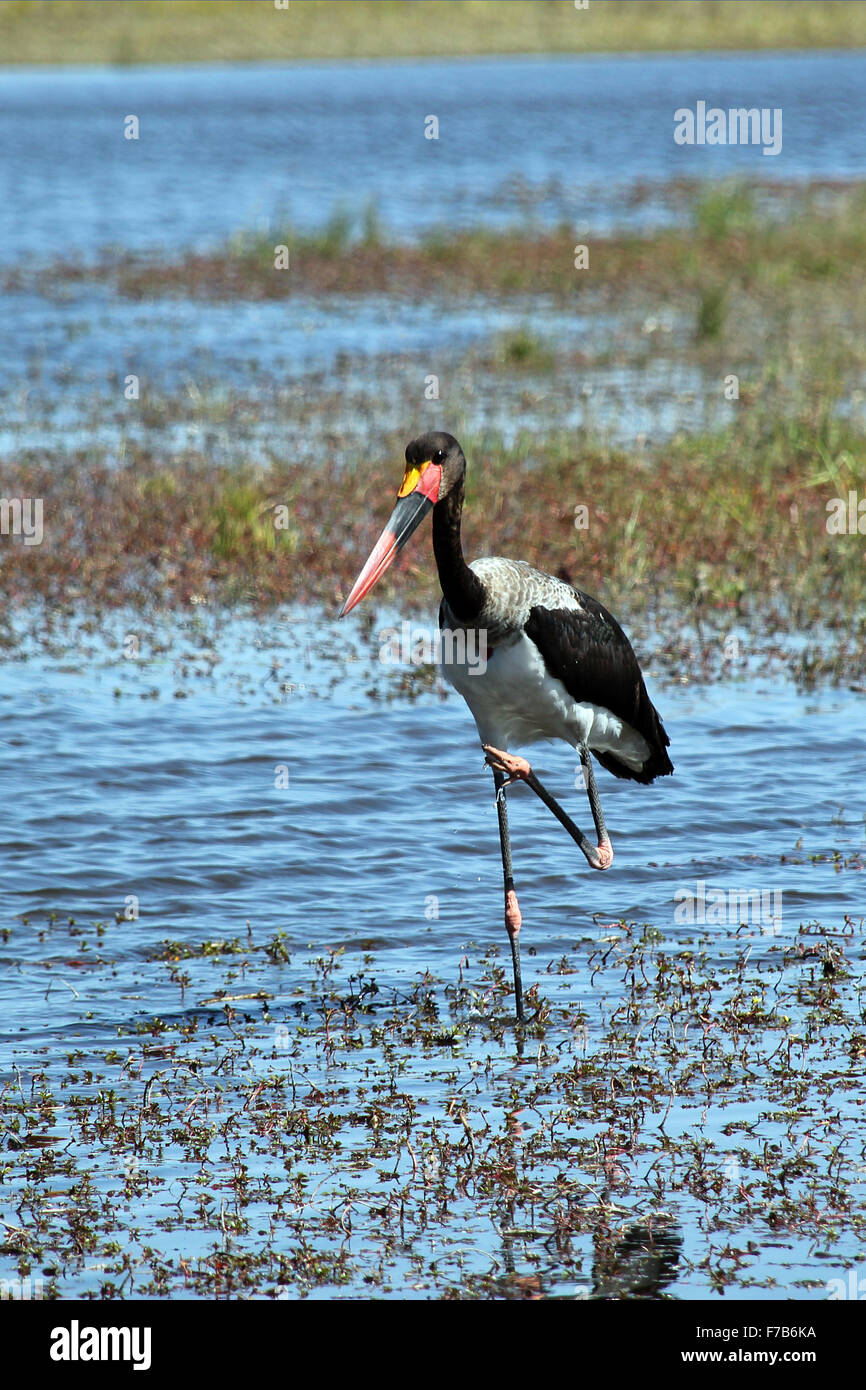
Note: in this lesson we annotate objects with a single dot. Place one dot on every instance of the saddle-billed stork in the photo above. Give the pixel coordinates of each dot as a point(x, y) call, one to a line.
point(558, 665)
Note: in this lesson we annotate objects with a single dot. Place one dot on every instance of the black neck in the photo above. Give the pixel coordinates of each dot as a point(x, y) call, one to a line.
point(463, 590)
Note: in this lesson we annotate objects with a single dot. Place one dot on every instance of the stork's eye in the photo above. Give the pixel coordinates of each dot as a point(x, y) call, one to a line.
point(439, 456)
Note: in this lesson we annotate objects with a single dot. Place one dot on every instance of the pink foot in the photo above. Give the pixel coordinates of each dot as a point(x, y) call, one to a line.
point(513, 918)
point(604, 856)
point(513, 766)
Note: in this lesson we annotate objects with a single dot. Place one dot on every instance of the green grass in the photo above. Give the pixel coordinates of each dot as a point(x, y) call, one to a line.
point(756, 239)
point(255, 249)
point(727, 522)
point(724, 210)
point(523, 348)
point(173, 31)
point(731, 522)
point(711, 312)
point(241, 521)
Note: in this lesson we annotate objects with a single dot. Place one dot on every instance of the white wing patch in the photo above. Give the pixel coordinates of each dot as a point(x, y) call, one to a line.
point(515, 700)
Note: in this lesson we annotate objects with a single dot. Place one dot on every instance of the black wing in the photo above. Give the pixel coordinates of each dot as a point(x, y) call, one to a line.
point(588, 651)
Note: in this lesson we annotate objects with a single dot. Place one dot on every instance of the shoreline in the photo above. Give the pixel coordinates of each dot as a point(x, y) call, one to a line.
point(122, 33)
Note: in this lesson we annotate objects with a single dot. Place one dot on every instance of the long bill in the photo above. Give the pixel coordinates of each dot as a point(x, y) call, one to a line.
point(418, 494)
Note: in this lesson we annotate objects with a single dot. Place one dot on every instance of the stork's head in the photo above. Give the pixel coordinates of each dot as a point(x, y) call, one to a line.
point(435, 465)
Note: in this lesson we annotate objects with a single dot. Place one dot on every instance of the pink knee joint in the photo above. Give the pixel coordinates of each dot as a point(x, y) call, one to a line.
point(513, 919)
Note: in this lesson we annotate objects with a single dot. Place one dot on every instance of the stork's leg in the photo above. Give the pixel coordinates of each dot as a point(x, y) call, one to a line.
point(512, 909)
point(518, 769)
point(605, 849)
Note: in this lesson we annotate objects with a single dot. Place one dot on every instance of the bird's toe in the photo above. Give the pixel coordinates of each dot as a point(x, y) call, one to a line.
point(509, 763)
point(603, 857)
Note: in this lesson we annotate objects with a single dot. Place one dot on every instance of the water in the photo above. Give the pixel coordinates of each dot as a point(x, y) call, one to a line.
point(252, 963)
point(153, 788)
point(64, 371)
point(156, 778)
point(573, 136)
point(585, 140)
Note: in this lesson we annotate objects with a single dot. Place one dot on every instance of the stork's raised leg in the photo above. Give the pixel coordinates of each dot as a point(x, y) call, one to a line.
point(513, 918)
point(605, 849)
point(518, 769)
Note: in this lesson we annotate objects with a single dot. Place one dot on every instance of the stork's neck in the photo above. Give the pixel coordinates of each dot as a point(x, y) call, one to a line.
point(463, 590)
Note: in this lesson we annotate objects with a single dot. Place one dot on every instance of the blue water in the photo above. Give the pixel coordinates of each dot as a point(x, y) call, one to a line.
point(156, 777)
point(173, 799)
point(152, 783)
point(228, 147)
point(143, 794)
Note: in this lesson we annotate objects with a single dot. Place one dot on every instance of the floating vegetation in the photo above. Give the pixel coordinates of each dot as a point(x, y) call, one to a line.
point(323, 1129)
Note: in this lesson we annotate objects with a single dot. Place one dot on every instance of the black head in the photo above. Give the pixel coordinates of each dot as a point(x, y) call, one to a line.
point(435, 466)
point(441, 449)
